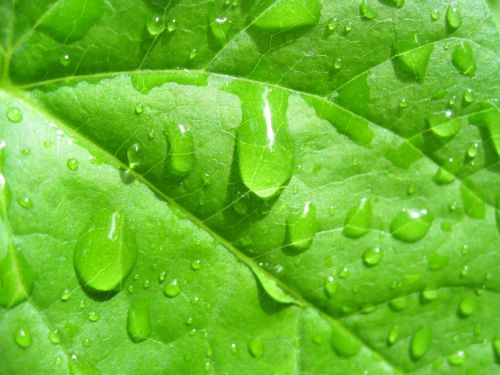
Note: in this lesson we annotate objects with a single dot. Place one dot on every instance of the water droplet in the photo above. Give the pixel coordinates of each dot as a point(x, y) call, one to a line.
point(463, 59)
point(332, 25)
point(87, 343)
point(171, 289)
point(163, 276)
point(443, 125)
point(344, 274)
point(25, 151)
point(393, 334)
point(16, 277)
point(72, 164)
point(338, 63)
point(302, 227)
point(135, 156)
point(208, 366)
point(403, 103)
point(467, 306)
point(372, 256)
point(139, 109)
point(234, 348)
point(172, 25)
point(54, 337)
point(410, 190)
point(443, 177)
point(65, 60)
point(256, 347)
point(348, 28)
point(106, 244)
point(287, 14)
point(66, 295)
point(220, 29)
point(196, 265)
point(155, 25)
point(429, 294)
point(453, 18)
point(14, 114)
point(474, 206)
point(139, 321)
point(331, 286)
point(472, 150)
point(358, 219)
point(434, 14)
point(193, 54)
point(25, 202)
point(181, 155)
point(420, 343)
point(146, 284)
point(469, 96)
point(343, 342)
point(366, 11)
point(399, 303)
point(411, 225)
point(457, 359)
point(23, 338)
point(93, 316)
point(437, 261)
point(412, 58)
point(79, 366)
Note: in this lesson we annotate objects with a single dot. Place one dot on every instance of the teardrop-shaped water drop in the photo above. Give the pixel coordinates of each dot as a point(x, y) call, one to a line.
point(453, 18)
point(139, 321)
point(256, 347)
point(437, 261)
point(467, 306)
point(302, 227)
point(23, 337)
point(171, 289)
point(25, 202)
point(358, 219)
point(343, 342)
point(411, 225)
point(155, 25)
point(367, 11)
point(331, 286)
point(16, 278)
point(285, 14)
point(14, 114)
point(434, 14)
point(429, 294)
point(265, 149)
point(469, 96)
point(65, 59)
point(393, 334)
point(181, 158)
point(463, 59)
point(443, 177)
point(135, 156)
point(420, 343)
point(94, 316)
point(105, 252)
point(412, 58)
point(372, 256)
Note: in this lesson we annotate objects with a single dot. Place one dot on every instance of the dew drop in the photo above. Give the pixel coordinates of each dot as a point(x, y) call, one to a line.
point(443, 125)
point(155, 26)
point(457, 359)
point(25, 202)
point(146, 284)
point(358, 220)
point(16, 277)
point(181, 156)
point(343, 342)
point(338, 63)
point(467, 306)
point(65, 60)
point(453, 18)
point(366, 11)
point(135, 156)
point(420, 343)
point(93, 316)
point(220, 29)
point(472, 150)
point(256, 347)
point(287, 14)
point(14, 114)
point(463, 59)
point(437, 261)
point(193, 54)
point(331, 286)
point(393, 334)
point(66, 295)
point(23, 338)
point(139, 321)
point(139, 109)
point(172, 25)
point(469, 96)
point(106, 244)
point(348, 28)
point(87, 343)
point(171, 289)
point(302, 227)
point(429, 294)
point(403, 103)
point(434, 14)
point(412, 58)
point(474, 206)
point(163, 276)
point(443, 177)
point(196, 265)
point(72, 164)
point(399, 303)
point(54, 337)
point(372, 256)
point(411, 225)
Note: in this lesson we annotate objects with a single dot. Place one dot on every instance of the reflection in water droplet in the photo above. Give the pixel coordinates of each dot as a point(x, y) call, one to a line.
point(139, 321)
point(302, 227)
point(411, 225)
point(358, 219)
point(172, 25)
point(155, 25)
point(256, 347)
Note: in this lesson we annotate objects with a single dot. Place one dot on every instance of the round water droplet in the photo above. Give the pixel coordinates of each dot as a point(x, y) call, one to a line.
point(163, 276)
point(72, 164)
point(25, 202)
point(256, 347)
point(358, 219)
point(14, 114)
point(196, 265)
point(331, 286)
point(93, 316)
point(86, 343)
point(338, 63)
point(234, 348)
point(65, 60)
point(393, 335)
point(302, 227)
point(453, 18)
point(171, 289)
point(155, 25)
point(146, 284)
point(332, 25)
point(372, 256)
point(66, 295)
point(457, 359)
point(420, 343)
point(403, 103)
point(469, 96)
point(344, 274)
point(411, 225)
point(139, 321)
point(467, 306)
point(429, 294)
point(434, 14)
point(23, 338)
point(208, 366)
point(437, 261)
point(472, 150)
point(54, 337)
point(172, 25)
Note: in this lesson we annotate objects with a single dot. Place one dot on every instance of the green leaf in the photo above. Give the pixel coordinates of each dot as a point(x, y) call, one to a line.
point(249, 187)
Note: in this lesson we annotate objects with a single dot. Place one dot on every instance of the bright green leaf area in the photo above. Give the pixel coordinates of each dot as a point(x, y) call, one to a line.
point(249, 187)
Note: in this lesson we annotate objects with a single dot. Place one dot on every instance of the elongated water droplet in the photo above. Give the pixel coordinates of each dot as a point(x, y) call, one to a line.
point(393, 335)
point(105, 252)
point(16, 278)
point(453, 18)
point(220, 28)
point(302, 227)
point(367, 11)
point(358, 219)
point(155, 25)
point(443, 177)
point(411, 225)
point(54, 337)
point(135, 156)
point(420, 343)
point(23, 337)
point(474, 206)
point(171, 289)
point(463, 59)
point(467, 306)
point(265, 149)
point(343, 342)
point(181, 155)
point(468, 96)
point(286, 14)
point(372, 256)
point(457, 359)
point(14, 114)
point(331, 286)
point(412, 58)
point(25, 202)
point(139, 321)
point(72, 164)
point(256, 347)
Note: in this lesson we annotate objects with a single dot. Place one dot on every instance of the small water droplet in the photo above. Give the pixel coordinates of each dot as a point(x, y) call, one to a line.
point(366, 11)
point(54, 337)
point(302, 227)
point(65, 60)
point(457, 359)
point(196, 265)
point(434, 14)
point(358, 220)
point(429, 294)
point(372, 256)
point(234, 348)
point(338, 63)
point(72, 164)
point(453, 17)
point(344, 273)
point(155, 25)
point(14, 114)
point(393, 334)
point(256, 347)
point(135, 155)
point(172, 25)
point(146, 284)
point(182, 157)
point(193, 54)
point(420, 343)
point(87, 343)
point(443, 177)
point(23, 338)
point(467, 306)
point(208, 366)
point(66, 295)
point(472, 150)
point(171, 289)
point(348, 28)
point(331, 286)
point(25, 202)
point(139, 109)
point(411, 225)
point(437, 261)
point(93, 316)
point(469, 96)
point(410, 190)
point(403, 103)
point(163, 276)
point(399, 303)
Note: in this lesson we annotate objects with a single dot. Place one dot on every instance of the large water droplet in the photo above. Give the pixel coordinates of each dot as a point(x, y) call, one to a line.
point(155, 25)
point(411, 58)
point(14, 114)
point(286, 14)
point(420, 343)
point(265, 149)
point(358, 219)
point(135, 156)
point(302, 227)
point(181, 155)
point(474, 206)
point(463, 59)
point(23, 338)
point(367, 11)
point(105, 253)
point(139, 321)
point(16, 278)
point(256, 347)
point(171, 289)
point(411, 225)
point(344, 343)
point(453, 18)
point(467, 306)
point(443, 125)
point(393, 334)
